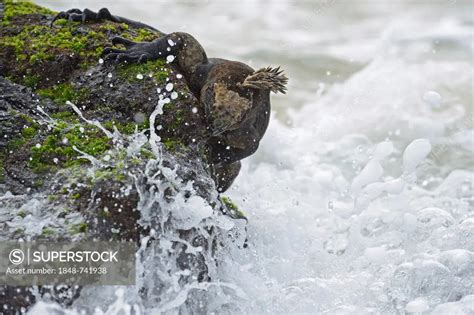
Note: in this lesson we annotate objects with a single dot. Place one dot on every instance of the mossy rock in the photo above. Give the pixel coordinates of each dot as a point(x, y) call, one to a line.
point(54, 87)
point(50, 72)
point(62, 63)
point(39, 55)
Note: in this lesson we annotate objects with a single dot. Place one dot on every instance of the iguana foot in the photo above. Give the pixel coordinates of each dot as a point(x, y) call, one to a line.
point(135, 52)
point(83, 16)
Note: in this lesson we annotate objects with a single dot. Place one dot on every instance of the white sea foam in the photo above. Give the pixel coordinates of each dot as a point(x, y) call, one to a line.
point(392, 208)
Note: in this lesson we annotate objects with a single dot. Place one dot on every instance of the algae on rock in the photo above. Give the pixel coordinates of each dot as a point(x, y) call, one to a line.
point(75, 144)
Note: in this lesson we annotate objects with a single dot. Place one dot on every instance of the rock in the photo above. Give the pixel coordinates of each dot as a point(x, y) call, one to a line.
point(81, 160)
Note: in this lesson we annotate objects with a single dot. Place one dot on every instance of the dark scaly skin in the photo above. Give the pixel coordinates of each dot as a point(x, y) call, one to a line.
point(78, 15)
point(223, 172)
point(237, 117)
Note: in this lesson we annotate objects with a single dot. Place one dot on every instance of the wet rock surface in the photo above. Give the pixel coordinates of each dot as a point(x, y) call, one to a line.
point(96, 151)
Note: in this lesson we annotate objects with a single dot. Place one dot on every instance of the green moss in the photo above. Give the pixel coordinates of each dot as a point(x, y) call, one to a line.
point(31, 81)
point(47, 232)
point(76, 196)
point(34, 46)
point(126, 128)
point(57, 148)
point(37, 43)
point(15, 144)
point(38, 183)
point(27, 118)
point(141, 35)
point(108, 26)
point(229, 203)
point(61, 22)
point(15, 8)
point(155, 68)
point(117, 173)
point(21, 213)
point(232, 206)
point(148, 154)
point(63, 92)
point(28, 132)
point(78, 228)
point(67, 116)
point(144, 35)
point(173, 145)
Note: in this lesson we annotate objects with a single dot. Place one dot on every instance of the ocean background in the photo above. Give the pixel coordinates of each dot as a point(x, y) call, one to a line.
point(360, 197)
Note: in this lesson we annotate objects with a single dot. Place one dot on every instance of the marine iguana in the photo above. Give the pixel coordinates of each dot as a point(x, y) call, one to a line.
point(235, 98)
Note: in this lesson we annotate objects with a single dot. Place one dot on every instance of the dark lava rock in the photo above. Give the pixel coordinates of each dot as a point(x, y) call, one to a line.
point(74, 140)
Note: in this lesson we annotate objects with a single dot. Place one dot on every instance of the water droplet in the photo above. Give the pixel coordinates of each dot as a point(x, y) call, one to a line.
point(101, 61)
point(433, 99)
point(194, 110)
point(169, 87)
point(179, 75)
point(38, 145)
point(139, 76)
point(170, 58)
point(109, 75)
point(330, 206)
